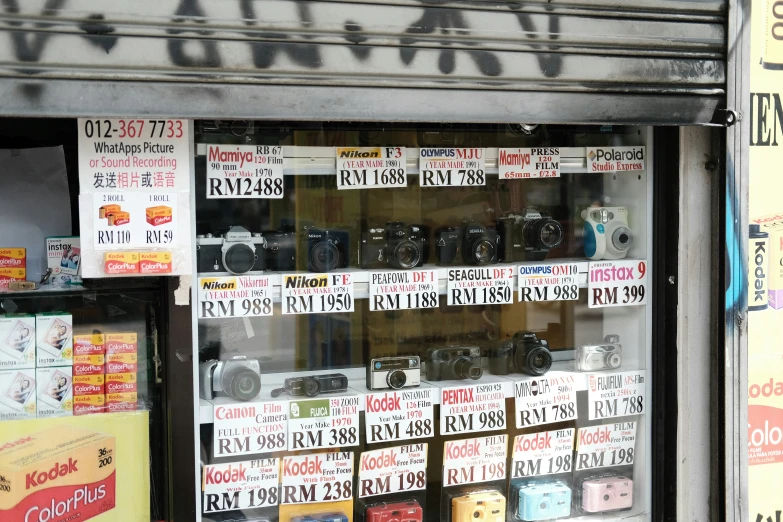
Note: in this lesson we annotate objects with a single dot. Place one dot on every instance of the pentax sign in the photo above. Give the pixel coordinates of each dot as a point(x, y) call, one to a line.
point(543, 453)
point(615, 159)
point(617, 394)
point(470, 409)
point(241, 485)
point(371, 167)
point(315, 478)
point(317, 293)
point(617, 283)
point(549, 281)
point(399, 415)
point(249, 428)
point(529, 163)
point(544, 400)
point(472, 461)
point(605, 445)
point(397, 469)
point(244, 172)
point(238, 296)
point(403, 290)
point(480, 286)
point(451, 167)
point(323, 423)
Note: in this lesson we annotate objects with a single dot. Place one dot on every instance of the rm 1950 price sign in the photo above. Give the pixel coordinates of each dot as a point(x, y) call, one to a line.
point(468, 409)
point(617, 283)
point(471, 461)
point(605, 445)
point(393, 470)
point(371, 167)
point(323, 423)
point(480, 286)
point(616, 394)
point(544, 400)
point(249, 428)
point(238, 296)
point(322, 477)
point(244, 171)
point(403, 290)
point(241, 485)
point(399, 415)
point(449, 167)
point(545, 453)
point(317, 293)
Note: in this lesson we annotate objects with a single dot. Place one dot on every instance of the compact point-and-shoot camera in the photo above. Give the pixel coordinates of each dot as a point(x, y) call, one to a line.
point(527, 237)
point(454, 363)
point(313, 385)
point(605, 356)
point(394, 372)
point(607, 493)
point(544, 500)
point(487, 506)
point(607, 235)
point(238, 378)
point(404, 511)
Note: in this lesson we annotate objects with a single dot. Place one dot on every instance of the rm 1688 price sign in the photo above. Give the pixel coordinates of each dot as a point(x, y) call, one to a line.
point(617, 283)
point(371, 167)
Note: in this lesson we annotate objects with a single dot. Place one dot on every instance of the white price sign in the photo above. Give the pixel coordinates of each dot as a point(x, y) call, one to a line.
point(317, 293)
point(244, 171)
point(403, 290)
point(468, 409)
point(544, 400)
point(371, 167)
point(135, 220)
point(549, 282)
point(605, 445)
point(472, 461)
point(399, 415)
point(323, 423)
point(450, 167)
point(529, 163)
point(393, 470)
point(322, 477)
point(237, 296)
point(545, 453)
point(480, 286)
point(617, 283)
point(241, 485)
point(615, 159)
point(616, 394)
point(249, 428)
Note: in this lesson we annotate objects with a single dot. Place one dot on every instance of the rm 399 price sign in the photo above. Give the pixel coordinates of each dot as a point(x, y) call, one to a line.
point(617, 283)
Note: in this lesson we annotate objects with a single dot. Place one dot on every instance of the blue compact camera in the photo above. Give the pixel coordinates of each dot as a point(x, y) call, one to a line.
point(321, 517)
point(544, 500)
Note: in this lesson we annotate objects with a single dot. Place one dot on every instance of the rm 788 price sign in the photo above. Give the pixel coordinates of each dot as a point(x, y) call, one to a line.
point(617, 283)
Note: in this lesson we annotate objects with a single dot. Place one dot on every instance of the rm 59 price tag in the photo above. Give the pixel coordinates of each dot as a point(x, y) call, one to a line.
point(399, 415)
point(616, 394)
point(545, 453)
point(544, 400)
point(605, 445)
point(322, 477)
point(450, 167)
point(468, 409)
point(617, 283)
point(317, 293)
point(371, 167)
point(241, 485)
point(471, 461)
point(393, 470)
point(323, 423)
point(249, 428)
point(244, 171)
point(480, 286)
point(238, 296)
point(403, 290)
point(549, 282)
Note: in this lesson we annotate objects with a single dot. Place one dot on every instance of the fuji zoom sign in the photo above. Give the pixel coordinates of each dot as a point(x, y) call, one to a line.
point(615, 159)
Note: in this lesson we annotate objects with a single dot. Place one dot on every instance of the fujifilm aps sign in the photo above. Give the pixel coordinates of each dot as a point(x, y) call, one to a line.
point(615, 159)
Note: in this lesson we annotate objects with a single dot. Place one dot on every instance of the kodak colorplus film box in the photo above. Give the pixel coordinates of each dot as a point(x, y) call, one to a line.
point(90, 344)
point(89, 385)
point(17, 341)
point(55, 339)
point(115, 263)
point(13, 265)
point(55, 391)
point(121, 383)
point(122, 363)
point(774, 226)
point(17, 395)
point(121, 343)
point(155, 262)
point(88, 404)
point(121, 401)
point(89, 364)
point(159, 215)
point(49, 476)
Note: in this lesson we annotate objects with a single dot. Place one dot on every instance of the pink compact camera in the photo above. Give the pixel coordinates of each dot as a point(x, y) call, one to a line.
point(607, 494)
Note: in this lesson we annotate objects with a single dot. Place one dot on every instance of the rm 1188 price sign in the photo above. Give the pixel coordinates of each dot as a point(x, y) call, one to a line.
point(449, 167)
point(403, 290)
point(617, 283)
point(244, 171)
point(371, 167)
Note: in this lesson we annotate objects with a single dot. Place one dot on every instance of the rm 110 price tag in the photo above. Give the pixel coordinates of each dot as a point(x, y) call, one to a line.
point(544, 400)
point(238, 296)
point(617, 283)
point(393, 470)
point(605, 445)
point(529, 163)
point(472, 461)
point(403, 290)
point(323, 423)
point(317, 293)
point(480, 286)
point(323, 477)
point(244, 171)
point(616, 394)
point(399, 415)
point(545, 453)
point(132, 219)
point(249, 428)
point(549, 282)
point(468, 409)
point(241, 485)
point(371, 167)
point(451, 167)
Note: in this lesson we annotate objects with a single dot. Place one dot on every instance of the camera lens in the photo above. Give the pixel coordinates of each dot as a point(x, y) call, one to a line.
point(542, 233)
point(538, 360)
point(396, 379)
point(466, 368)
point(239, 259)
point(324, 257)
point(613, 360)
point(544, 506)
point(311, 386)
point(609, 497)
point(405, 255)
point(622, 238)
point(240, 382)
point(481, 251)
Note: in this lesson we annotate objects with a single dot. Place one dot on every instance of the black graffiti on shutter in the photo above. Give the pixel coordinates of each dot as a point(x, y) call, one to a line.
point(191, 11)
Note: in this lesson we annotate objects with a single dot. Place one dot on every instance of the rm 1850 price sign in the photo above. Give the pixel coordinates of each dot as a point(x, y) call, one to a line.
point(241, 485)
point(321, 477)
point(480, 286)
point(617, 283)
point(238, 296)
point(371, 167)
point(244, 171)
point(449, 167)
point(616, 394)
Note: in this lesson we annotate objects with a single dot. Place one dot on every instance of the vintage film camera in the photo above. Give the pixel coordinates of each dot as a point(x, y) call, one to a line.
point(313, 385)
point(454, 363)
point(394, 372)
point(237, 252)
point(527, 237)
point(238, 377)
point(472, 244)
point(404, 511)
point(524, 353)
point(544, 500)
point(280, 250)
point(320, 517)
point(396, 245)
point(487, 506)
point(323, 250)
point(605, 356)
point(607, 493)
point(607, 235)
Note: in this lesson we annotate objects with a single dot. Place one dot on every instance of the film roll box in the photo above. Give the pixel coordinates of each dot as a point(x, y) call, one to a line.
point(117, 263)
point(121, 371)
point(17, 394)
point(55, 391)
point(55, 339)
point(17, 341)
point(89, 389)
point(13, 266)
point(772, 225)
point(63, 256)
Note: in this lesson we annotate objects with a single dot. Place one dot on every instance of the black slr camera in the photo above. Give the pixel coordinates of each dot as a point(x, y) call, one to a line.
point(472, 244)
point(280, 250)
point(524, 353)
point(238, 252)
point(528, 237)
point(324, 250)
point(454, 363)
point(313, 385)
point(397, 245)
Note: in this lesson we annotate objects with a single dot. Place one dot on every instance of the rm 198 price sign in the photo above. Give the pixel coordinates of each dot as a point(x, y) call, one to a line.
point(449, 167)
point(321, 477)
point(241, 485)
point(244, 172)
point(617, 283)
point(605, 445)
point(317, 293)
point(544, 400)
point(238, 296)
point(393, 470)
point(480, 286)
point(616, 394)
point(371, 167)
point(545, 453)
point(472, 461)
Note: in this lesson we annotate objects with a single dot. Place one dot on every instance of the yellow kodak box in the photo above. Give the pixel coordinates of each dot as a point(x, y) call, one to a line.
point(155, 262)
point(122, 363)
point(121, 401)
point(91, 344)
point(121, 383)
point(89, 364)
point(121, 263)
point(121, 343)
point(89, 385)
point(159, 215)
point(86, 404)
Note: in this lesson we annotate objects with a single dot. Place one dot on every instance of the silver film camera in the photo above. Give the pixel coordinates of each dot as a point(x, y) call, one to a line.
point(605, 356)
point(238, 377)
point(394, 372)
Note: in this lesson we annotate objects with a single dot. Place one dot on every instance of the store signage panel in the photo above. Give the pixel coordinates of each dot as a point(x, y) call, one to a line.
point(617, 394)
point(371, 167)
point(241, 485)
point(235, 296)
point(399, 415)
point(473, 408)
point(543, 453)
point(617, 283)
point(244, 172)
point(472, 461)
point(480, 285)
point(549, 282)
point(452, 167)
point(519, 163)
point(616, 159)
point(250, 428)
point(398, 469)
point(317, 293)
point(403, 290)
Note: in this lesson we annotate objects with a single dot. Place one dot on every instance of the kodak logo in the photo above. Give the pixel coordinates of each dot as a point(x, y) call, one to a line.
point(597, 436)
point(386, 459)
point(36, 478)
point(389, 402)
point(464, 449)
point(230, 474)
point(308, 466)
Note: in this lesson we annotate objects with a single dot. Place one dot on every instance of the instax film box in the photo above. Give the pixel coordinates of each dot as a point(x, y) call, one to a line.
point(55, 339)
point(17, 341)
point(55, 391)
point(17, 394)
point(63, 254)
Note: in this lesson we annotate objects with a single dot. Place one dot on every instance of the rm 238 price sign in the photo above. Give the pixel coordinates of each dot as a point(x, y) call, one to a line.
point(617, 283)
point(322, 477)
point(241, 485)
point(238, 296)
